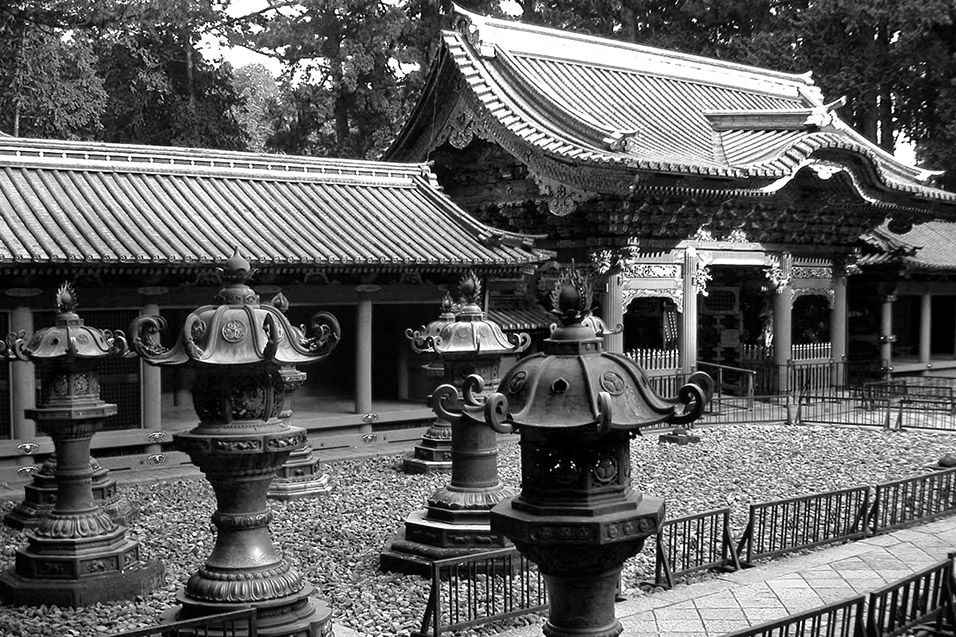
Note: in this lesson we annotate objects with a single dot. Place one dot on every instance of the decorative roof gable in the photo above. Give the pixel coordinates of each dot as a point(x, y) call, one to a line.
point(554, 98)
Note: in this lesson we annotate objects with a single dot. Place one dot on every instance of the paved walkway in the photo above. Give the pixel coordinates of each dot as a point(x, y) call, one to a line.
point(782, 587)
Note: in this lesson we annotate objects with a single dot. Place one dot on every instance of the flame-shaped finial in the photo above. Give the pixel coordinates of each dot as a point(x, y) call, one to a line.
point(447, 304)
point(571, 297)
point(66, 299)
point(470, 288)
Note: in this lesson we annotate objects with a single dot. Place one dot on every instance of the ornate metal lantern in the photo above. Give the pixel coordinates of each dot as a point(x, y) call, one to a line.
point(456, 519)
point(77, 554)
point(433, 453)
point(244, 354)
point(577, 516)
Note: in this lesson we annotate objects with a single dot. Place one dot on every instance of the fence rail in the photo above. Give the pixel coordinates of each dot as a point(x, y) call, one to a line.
point(236, 622)
point(781, 526)
point(476, 589)
point(926, 597)
point(910, 500)
point(841, 619)
point(694, 543)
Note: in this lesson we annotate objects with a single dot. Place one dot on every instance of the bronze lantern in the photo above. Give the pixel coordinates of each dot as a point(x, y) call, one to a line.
point(433, 453)
point(456, 518)
point(77, 554)
point(578, 517)
point(244, 354)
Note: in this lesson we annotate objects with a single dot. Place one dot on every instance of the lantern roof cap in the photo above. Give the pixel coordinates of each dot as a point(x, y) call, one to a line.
point(68, 338)
point(240, 330)
point(573, 382)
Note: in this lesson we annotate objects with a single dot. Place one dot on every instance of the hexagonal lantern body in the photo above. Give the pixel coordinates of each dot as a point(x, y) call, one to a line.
point(433, 453)
point(577, 516)
point(244, 354)
point(456, 519)
point(77, 554)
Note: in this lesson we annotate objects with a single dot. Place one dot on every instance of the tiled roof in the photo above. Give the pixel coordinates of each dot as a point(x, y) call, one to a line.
point(522, 319)
point(591, 100)
point(70, 202)
point(927, 246)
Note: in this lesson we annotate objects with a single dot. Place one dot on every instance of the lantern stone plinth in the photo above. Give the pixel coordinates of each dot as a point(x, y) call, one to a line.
point(456, 520)
point(244, 355)
point(578, 516)
point(77, 554)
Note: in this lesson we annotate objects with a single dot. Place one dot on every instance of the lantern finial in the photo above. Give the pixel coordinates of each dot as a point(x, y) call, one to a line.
point(236, 269)
point(66, 299)
point(571, 297)
point(470, 288)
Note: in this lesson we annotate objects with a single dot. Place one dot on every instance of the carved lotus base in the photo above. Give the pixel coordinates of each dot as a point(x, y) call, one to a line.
point(301, 476)
point(453, 504)
point(40, 497)
point(299, 615)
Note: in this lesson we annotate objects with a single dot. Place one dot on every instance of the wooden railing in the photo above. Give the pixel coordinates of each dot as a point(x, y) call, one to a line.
point(654, 359)
point(798, 352)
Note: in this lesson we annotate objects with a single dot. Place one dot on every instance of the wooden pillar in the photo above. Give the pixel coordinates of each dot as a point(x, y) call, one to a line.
point(612, 313)
point(688, 331)
point(22, 386)
point(151, 390)
point(363, 353)
point(838, 328)
point(887, 338)
point(926, 329)
point(783, 322)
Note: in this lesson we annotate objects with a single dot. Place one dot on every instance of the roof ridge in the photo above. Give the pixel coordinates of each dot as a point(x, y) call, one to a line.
point(110, 155)
point(802, 82)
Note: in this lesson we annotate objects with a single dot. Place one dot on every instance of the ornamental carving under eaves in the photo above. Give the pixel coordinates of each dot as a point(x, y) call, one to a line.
point(812, 272)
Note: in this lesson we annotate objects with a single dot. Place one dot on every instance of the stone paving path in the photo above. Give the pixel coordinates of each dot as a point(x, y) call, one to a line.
point(778, 588)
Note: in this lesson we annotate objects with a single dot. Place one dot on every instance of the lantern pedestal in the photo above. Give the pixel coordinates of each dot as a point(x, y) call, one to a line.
point(301, 476)
point(40, 496)
point(244, 567)
point(457, 520)
point(77, 555)
point(433, 452)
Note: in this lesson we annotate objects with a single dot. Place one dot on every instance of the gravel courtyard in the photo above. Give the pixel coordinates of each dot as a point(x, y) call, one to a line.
point(335, 540)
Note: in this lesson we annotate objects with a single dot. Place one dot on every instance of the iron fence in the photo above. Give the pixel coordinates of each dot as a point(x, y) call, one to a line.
point(903, 502)
point(925, 598)
point(234, 623)
point(803, 522)
point(694, 543)
point(476, 589)
point(841, 619)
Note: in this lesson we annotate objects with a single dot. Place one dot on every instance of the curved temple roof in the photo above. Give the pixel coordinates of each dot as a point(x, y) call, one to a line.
point(73, 202)
point(595, 101)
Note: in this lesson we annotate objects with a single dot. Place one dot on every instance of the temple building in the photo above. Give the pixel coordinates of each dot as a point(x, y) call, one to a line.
point(140, 230)
point(723, 205)
point(903, 302)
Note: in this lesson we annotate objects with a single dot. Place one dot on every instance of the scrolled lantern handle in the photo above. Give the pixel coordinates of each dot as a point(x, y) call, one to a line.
point(694, 398)
point(324, 333)
point(419, 342)
point(705, 382)
point(520, 341)
point(12, 347)
point(144, 331)
point(472, 386)
point(496, 410)
point(604, 412)
point(445, 402)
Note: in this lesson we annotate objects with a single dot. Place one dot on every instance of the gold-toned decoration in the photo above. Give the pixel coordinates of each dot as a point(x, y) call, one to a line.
point(774, 273)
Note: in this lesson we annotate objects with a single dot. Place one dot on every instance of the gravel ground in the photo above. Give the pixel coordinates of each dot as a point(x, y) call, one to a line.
point(335, 540)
